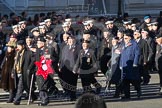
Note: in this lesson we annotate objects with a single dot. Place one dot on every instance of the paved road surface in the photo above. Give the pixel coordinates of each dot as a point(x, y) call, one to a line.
point(149, 99)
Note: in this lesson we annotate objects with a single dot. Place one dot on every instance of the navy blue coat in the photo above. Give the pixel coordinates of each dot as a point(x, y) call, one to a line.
point(129, 59)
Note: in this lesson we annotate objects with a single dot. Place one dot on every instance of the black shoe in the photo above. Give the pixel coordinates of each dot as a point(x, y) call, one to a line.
point(16, 103)
point(116, 96)
point(125, 98)
point(9, 101)
point(139, 93)
point(33, 99)
point(73, 99)
point(43, 104)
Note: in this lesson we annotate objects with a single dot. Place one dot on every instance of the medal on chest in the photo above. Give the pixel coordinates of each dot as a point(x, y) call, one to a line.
point(88, 60)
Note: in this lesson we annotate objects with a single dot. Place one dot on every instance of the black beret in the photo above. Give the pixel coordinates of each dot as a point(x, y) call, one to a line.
point(115, 38)
point(30, 36)
point(42, 39)
point(86, 32)
point(20, 42)
point(71, 37)
point(128, 33)
point(158, 36)
point(145, 29)
point(85, 41)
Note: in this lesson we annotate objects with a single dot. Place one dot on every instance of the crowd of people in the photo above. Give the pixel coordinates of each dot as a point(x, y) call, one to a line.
point(126, 54)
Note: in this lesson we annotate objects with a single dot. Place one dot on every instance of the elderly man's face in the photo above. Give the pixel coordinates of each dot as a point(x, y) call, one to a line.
point(127, 39)
point(120, 35)
point(136, 35)
point(144, 34)
point(65, 36)
point(40, 44)
point(66, 28)
point(106, 34)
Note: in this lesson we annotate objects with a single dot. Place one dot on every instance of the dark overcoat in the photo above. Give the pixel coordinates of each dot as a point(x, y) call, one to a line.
point(7, 81)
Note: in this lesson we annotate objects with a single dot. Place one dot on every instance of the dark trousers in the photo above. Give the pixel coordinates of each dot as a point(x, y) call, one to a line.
point(69, 82)
point(160, 77)
point(20, 89)
point(12, 95)
point(43, 86)
point(126, 86)
point(145, 73)
point(86, 80)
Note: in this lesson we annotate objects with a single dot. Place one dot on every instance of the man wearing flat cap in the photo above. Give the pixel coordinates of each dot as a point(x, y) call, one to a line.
point(158, 58)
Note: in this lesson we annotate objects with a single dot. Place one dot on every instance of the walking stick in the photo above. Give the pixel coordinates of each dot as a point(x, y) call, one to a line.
point(31, 84)
point(108, 76)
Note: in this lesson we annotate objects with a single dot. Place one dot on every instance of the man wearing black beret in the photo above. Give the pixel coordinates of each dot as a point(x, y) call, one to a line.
point(47, 53)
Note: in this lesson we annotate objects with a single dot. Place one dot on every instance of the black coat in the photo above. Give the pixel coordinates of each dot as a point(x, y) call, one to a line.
point(43, 84)
point(86, 62)
point(28, 64)
point(152, 49)
point(144, 51)
point(158, 58)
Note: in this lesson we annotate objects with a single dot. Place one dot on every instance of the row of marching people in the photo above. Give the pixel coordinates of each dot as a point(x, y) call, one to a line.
point(129, 62)
point(37, 58)
point(25, 64)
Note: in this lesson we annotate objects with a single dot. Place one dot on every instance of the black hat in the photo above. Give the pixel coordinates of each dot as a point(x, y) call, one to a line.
point(42, 39)
point(115, 38)
point(158, 36)
point(106, 30)
point(71, 37)
point(21, 42)
point(121, 30)
point(128, 33)
point(85, 41)
point(30, 36)
point(86, 32)
point(146, 30)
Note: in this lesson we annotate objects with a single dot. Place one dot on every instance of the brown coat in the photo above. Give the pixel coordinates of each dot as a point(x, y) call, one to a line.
point(6, 81)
